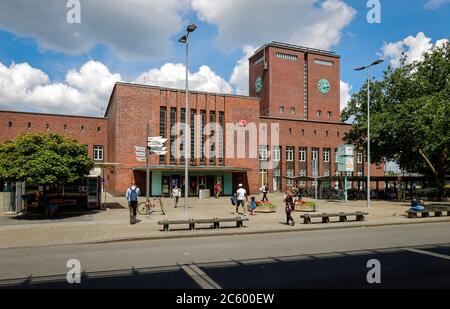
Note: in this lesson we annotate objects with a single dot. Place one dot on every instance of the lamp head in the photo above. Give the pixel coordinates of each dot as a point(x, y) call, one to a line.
point(183, 39)
point(191, 28)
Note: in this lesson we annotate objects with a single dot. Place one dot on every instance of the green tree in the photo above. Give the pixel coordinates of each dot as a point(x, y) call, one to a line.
point(410, 119)
point(45, 159)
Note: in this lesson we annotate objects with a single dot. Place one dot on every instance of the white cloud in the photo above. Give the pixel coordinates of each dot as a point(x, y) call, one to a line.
point(173, 76)
point(84, 92)
point(239, 77)
point(132, 28)
point(412, 47)
point(345, 94)
point(251, 22)
point(434, 4)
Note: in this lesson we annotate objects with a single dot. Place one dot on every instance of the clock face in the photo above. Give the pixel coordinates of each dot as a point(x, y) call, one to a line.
point(324, 86)
point(258, 84)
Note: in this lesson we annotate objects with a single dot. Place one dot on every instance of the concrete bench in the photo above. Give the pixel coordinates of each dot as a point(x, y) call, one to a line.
point(192, 222)
point(437, 211)
point(343, 216)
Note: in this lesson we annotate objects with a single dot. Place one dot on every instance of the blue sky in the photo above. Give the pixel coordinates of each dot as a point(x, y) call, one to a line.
point(49, 65)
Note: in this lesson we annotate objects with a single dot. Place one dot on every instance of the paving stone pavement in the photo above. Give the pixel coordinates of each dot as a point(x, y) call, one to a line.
point(112, 224)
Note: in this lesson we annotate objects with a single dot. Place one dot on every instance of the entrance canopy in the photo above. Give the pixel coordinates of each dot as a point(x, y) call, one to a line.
point(193, 168)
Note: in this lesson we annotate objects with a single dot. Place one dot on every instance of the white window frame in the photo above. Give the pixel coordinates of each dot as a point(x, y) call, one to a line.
point(314, 154)
point(326, 173)
point(359, 156)
point(326, 155)
point(290, 173)
point(302, 154)
point(263, 153)
point(99, 153)
point(359, 174)
point(276, 154)
point(289, 154)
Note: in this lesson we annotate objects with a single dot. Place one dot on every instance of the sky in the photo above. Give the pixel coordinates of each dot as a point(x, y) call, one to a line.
point(64, 56)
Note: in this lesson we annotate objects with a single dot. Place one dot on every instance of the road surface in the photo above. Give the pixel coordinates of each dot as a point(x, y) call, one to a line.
point(410, 256)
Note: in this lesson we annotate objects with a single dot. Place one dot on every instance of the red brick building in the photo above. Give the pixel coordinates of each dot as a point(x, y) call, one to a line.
point(291, 115)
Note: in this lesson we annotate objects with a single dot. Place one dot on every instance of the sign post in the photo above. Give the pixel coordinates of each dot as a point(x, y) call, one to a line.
point(346, 164)
point(156, 146)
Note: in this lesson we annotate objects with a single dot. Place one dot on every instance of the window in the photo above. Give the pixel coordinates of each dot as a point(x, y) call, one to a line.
point(10, 124)
point(212, 138)
point(29, 126)
point(337, 173)
point(98, 153)
point(326, 173)
point(330, 114)
point(82, 129)
point(315, 154)
point(65, 128)
point(290, 173)
point(47, 127)
point(99, 129)
point(324, 62)
point(360, 173)
point(302, 155)
point(193, 135)
point(263, 153)
point(303, 131)
point(287, 56)
point(203, 138)
point(173, 121)
point(359, 157)
point(326, 155)
point(336, 156)
point(162, 129)
point(281, 109)
point(258, 61)
point(221, 140)
point(276, 154)
point(319, 113)
point(182, 131)
point(289, 154)
point(302, 174)
point(292, 111)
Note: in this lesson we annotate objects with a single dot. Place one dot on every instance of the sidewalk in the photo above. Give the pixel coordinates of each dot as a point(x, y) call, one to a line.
point(112, 225)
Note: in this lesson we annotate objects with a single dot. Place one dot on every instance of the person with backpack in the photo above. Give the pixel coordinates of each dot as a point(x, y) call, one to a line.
point(132, 197)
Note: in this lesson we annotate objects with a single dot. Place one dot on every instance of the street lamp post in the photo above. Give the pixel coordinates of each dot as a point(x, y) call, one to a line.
point(368, 123)
point(185, 40)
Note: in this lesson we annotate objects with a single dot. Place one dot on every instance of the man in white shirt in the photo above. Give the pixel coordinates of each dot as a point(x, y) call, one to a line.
point(241, 199)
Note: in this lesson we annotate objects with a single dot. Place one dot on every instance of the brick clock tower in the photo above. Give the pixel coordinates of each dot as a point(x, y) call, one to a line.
point(295, 82)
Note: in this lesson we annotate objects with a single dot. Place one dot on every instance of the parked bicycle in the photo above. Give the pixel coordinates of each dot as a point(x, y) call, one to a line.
point(147, 208)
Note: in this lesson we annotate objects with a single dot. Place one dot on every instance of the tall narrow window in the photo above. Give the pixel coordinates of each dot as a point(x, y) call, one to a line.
point(203, 137)
point(302, 154)
point(173, 135)
point(162, 129)
point(263, 153)
point(326, 155)
point(289, 154)
point(276, 154)
point(221, 139)
point(65, 128)
point(29, 126)
point(193, 141)
point(336, 156)
point(212, 138)
point(183, 137)
point(315, 153)
point(290, 173)
point(98, 153)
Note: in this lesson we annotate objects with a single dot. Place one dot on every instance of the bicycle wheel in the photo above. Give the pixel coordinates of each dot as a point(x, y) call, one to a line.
point(142, 208)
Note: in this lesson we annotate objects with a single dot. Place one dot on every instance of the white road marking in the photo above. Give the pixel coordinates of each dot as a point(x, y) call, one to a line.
point(200, 277)
point(445, 257)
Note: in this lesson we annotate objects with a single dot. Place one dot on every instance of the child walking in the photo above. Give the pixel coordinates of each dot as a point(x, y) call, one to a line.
point(252, 205)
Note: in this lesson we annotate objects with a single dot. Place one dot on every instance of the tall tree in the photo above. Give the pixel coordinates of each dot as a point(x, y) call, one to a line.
point(410, 119)
point(45, 159)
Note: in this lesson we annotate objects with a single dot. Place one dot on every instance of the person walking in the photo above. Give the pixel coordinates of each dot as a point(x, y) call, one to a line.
point(265, 191)
point(217, 190)
point(289, 208)
point(132, 196)
point(241, 199)
point(176, 194)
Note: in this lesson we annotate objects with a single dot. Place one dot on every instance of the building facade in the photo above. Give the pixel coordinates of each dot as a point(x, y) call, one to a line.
point(289, 122)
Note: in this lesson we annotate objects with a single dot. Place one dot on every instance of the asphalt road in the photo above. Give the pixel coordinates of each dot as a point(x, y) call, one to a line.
point(410, 256)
